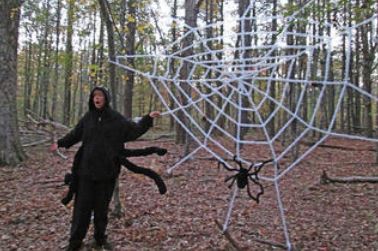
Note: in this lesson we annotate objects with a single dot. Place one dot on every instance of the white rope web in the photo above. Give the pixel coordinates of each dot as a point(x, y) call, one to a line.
point(241, 77)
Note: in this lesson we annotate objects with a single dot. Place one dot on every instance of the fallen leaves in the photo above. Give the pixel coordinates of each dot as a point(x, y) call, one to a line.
point(320, 217)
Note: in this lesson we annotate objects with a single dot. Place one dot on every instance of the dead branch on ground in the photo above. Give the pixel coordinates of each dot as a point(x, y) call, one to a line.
point(325, 179)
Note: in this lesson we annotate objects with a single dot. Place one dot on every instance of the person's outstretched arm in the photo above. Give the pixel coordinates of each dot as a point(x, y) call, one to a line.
point(73, 137)
point(135, 130)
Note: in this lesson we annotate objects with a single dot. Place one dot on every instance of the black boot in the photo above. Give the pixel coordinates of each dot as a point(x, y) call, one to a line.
point(74, 246)
point(103, 244)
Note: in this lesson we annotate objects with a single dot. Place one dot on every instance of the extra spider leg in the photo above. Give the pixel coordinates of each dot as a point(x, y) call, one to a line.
point(145, 171)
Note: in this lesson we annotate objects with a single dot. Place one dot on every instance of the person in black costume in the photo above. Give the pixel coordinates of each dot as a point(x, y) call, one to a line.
point(103, 132)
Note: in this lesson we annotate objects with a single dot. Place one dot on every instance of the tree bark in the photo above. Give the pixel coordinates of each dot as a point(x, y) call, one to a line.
point(56, 64)
point(245, 54)
point(68, 64)
point(172, 66)
point(37, 95)
point(28, 76)
point(191, 12)
point(130, 50)
point(45, 62)
point(105, 13)
point(11, 151)
point(272, 88)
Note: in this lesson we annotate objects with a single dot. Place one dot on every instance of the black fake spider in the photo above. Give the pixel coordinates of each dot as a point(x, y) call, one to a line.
point(243, 175)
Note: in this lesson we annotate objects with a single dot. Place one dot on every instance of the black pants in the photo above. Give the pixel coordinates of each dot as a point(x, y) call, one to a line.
point(92, 196)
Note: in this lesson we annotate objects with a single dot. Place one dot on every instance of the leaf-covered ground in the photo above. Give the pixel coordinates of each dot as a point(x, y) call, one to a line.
point(320, 217)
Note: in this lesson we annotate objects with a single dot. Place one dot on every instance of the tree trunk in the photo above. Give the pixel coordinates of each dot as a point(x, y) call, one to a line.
point(221, 121)
point(130, 50)
point(368, 55)
point(350, 115)
point(357, 105)
point(56, 64)
point(245, 54)
point(209, 34)
point(68, 64)
point(272, 88)
point(100, 56)
point(104, 5)
point(28, 76)
point(92, 69)
point(11, 151)
point(122, 50)
point(37, 95)
point(191, 11)
point(344, 54)
point(45, 63)
point(172, 66)
point(105, 17)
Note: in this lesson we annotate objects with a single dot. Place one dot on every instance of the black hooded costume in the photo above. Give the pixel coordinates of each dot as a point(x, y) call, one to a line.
point(103, 134)
point(72, 179)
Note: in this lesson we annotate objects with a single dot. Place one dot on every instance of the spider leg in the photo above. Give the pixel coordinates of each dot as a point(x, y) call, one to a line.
point(233, 177)
point(228, 178)
point(254, 173)
point(250, 194)
point(226, 167)
point(258, 167)
point(237, 161)
point(261, 192)
point(251, 166)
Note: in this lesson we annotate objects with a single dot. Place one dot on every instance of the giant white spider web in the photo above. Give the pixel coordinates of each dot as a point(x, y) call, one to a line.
point(237, 80)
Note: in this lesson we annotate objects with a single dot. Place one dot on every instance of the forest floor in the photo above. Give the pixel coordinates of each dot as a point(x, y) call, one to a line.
point(319, 216)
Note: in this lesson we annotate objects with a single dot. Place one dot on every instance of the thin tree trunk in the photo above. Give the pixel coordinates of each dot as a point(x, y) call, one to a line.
point(191, 11)
point(357, 105)
point(222, 119)
point(272, 88)
point(350, 114)
point(83, 75)
point(209, 34)
point(172, 66)
point(130, 50)
point(92, 69)
point(368, 54)
point(11, 151)
point(245, 54)
point(105, 12)
point(28, 76)
point(344, 54)
point(55, 84)
point(37, 96)
point(121, 76)
point(68, 64)
point(100, 56)
point(46, 63)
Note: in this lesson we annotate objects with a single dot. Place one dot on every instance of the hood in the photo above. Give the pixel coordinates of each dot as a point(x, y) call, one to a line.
point(107, 97)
